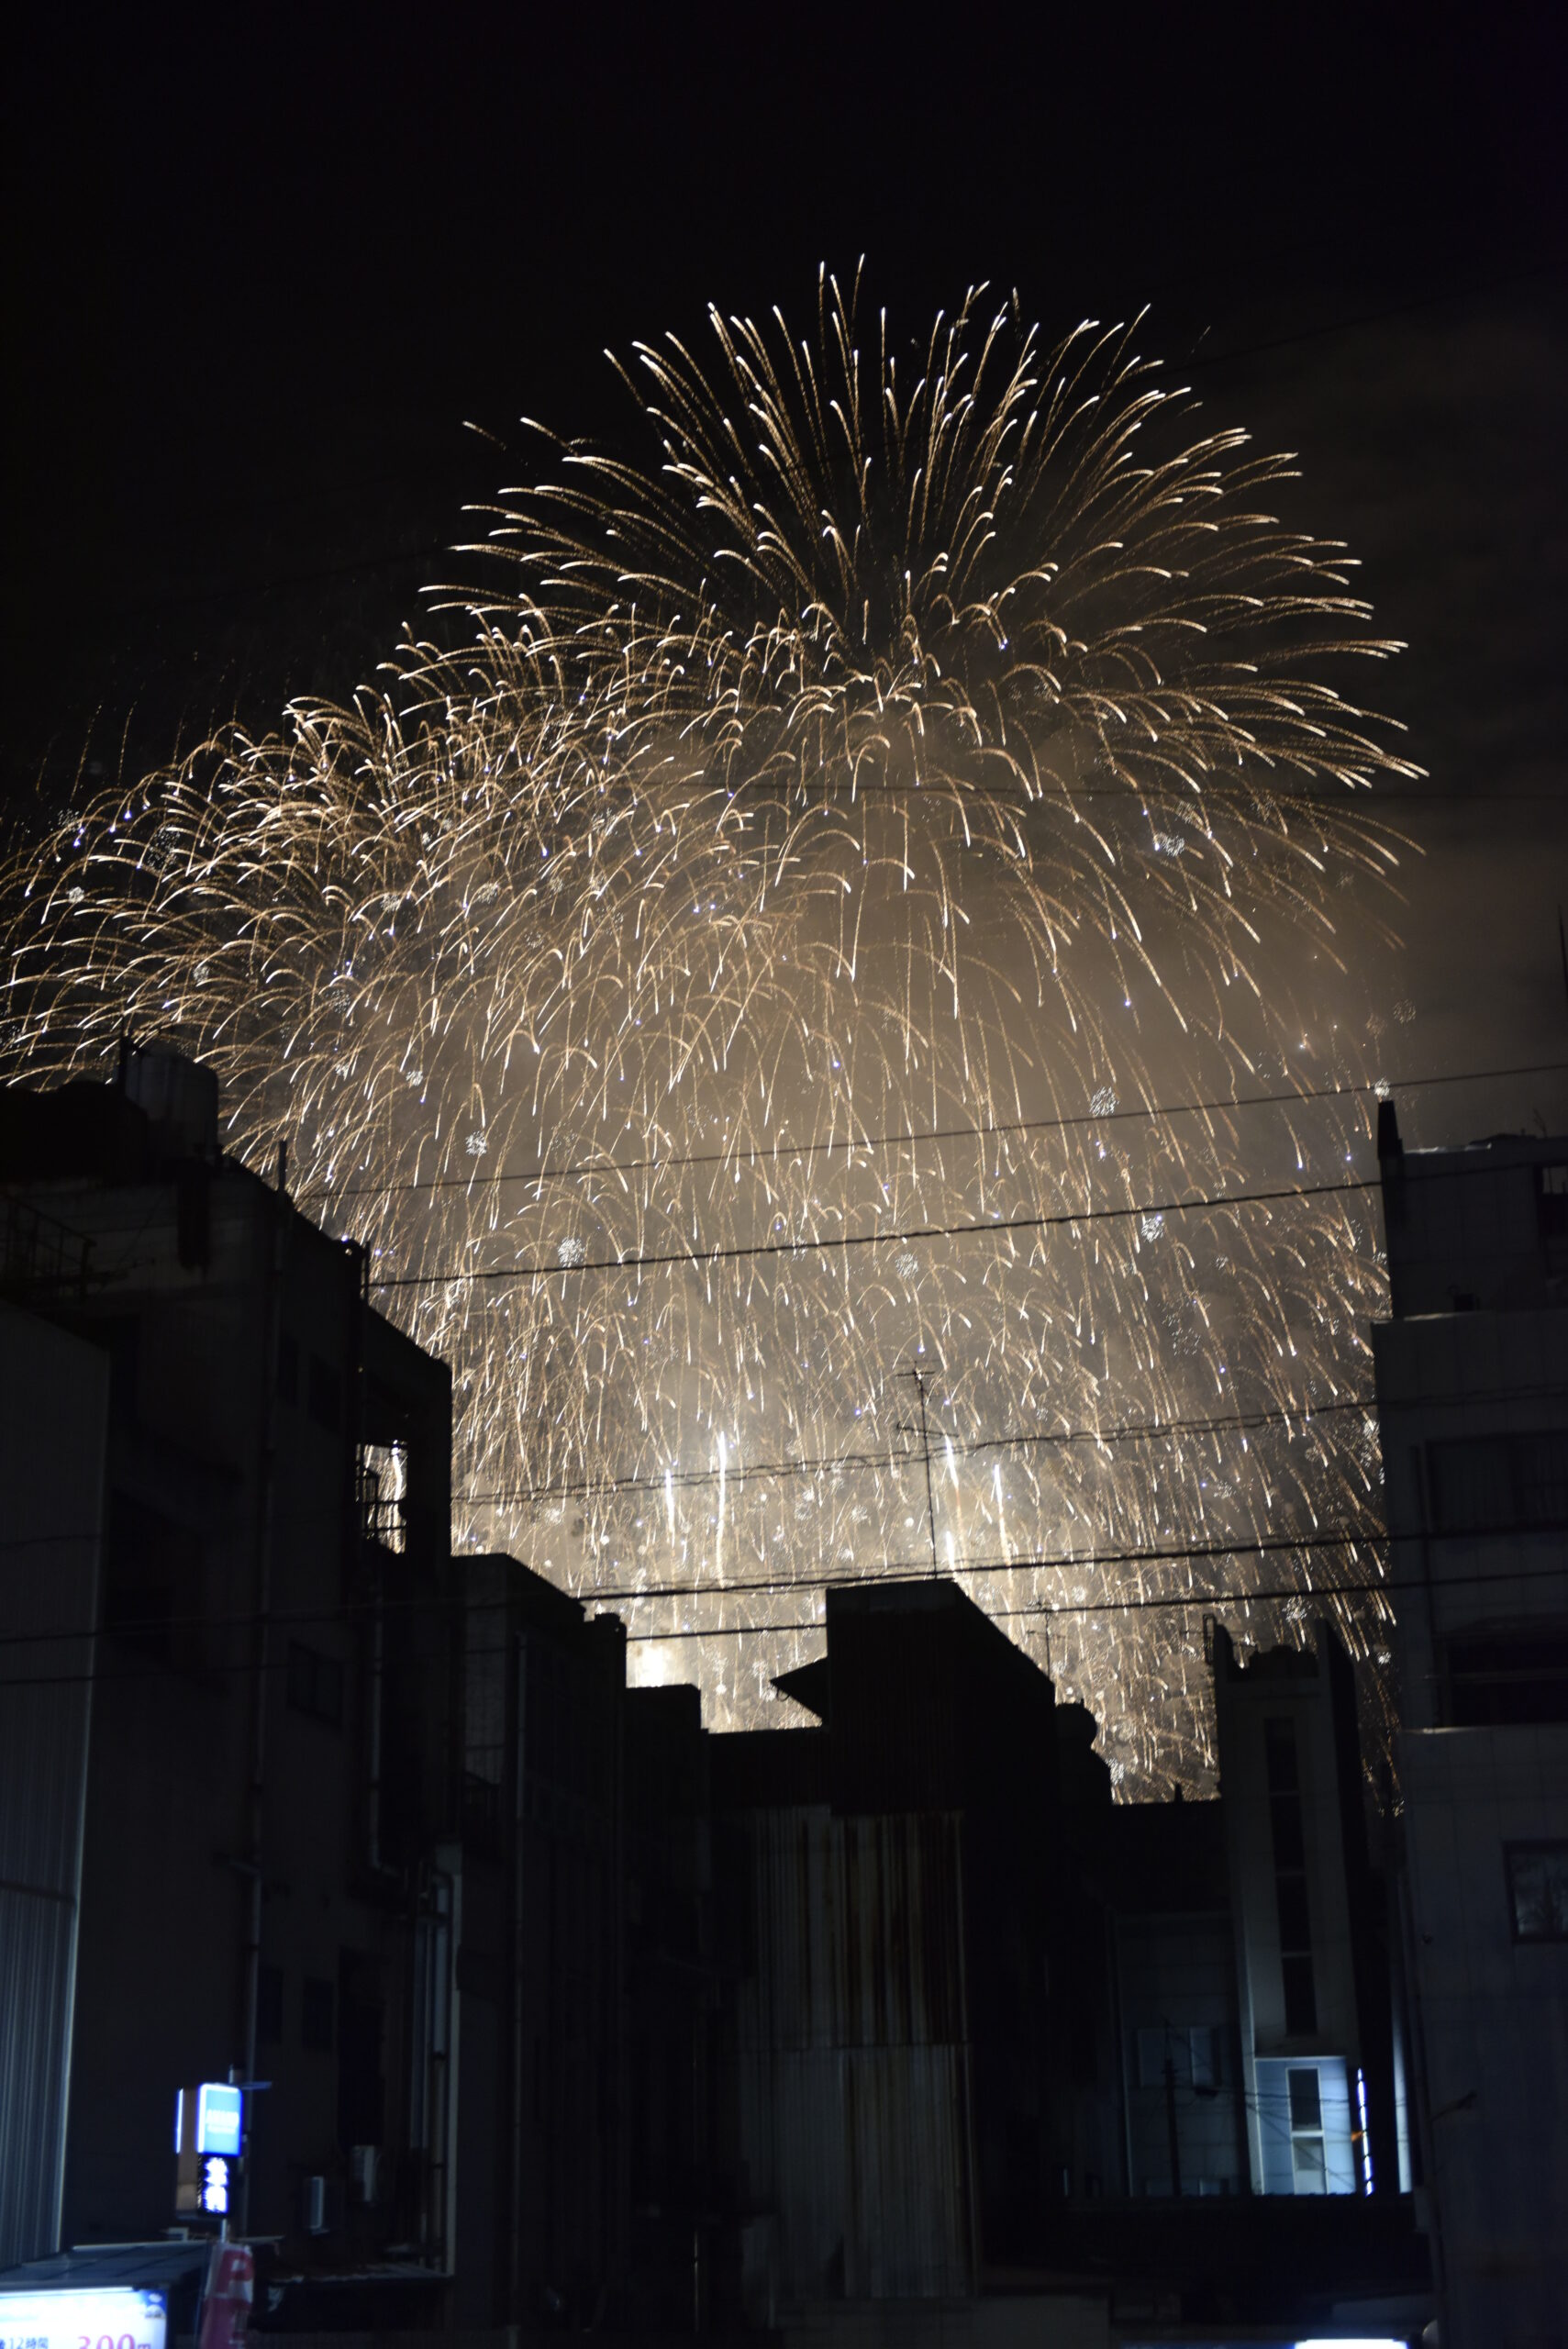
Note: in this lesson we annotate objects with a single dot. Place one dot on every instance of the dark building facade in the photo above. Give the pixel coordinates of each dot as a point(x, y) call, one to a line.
point(539, 2010)
point(987, 2034)
point(245, 1822)
point(1473, 1400)
point(575, 2016)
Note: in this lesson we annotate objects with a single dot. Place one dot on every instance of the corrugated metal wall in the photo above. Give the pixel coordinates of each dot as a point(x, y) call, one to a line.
point(853, 2074)
point(53, 1401)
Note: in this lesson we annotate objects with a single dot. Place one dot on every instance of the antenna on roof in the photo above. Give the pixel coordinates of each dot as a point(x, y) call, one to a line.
point(921, 1428)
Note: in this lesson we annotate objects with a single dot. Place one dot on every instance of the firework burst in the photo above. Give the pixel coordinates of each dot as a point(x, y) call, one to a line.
point(730, 975)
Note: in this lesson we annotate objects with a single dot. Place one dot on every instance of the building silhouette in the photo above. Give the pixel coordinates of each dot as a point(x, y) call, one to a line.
point(1473, 1402)
point(230, 1727)
point(573, 2015)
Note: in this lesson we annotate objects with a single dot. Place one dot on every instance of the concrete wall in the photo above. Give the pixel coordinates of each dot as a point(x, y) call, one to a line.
point(851, 2062)
point(54, 1418)
point(1473, 1402)
point(1492, 2014)
point(1177, 1975)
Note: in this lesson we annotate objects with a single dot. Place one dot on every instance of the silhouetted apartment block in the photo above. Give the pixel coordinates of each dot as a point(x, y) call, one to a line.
point(539, 2020)
point(232, 1480)
point(1184, 2080)
point(1311, 1958)
point(1473, 1402)
point(986, 2034)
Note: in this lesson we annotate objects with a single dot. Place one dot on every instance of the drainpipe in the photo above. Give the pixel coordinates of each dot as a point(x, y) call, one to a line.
point(517, 1952)
point(1172, 2129)
point(275, 1212)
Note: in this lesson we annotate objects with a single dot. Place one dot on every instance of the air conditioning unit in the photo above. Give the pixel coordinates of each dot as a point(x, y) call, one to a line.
point(363, 2163)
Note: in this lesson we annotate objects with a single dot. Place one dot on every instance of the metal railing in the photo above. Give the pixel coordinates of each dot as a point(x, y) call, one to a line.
point(381, 1510)
point(40, 1256)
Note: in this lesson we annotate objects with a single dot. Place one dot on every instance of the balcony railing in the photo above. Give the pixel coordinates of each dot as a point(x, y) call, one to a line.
point(40, 1257)
point(381, 1509)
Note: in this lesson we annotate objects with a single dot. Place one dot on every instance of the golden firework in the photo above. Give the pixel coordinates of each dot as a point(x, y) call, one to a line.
point(732, 972)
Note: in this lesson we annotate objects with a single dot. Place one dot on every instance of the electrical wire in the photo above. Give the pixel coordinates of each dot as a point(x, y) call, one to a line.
point(581, 1169)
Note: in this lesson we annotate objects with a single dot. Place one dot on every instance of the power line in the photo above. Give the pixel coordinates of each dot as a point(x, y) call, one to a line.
point(1258, 1545)
point(1278, 1594)
point(753, 1156)
point(998, 1227)
point(964, 1447)
point(1299, 1415)
point(1165, 1602)
point(1329, 1538)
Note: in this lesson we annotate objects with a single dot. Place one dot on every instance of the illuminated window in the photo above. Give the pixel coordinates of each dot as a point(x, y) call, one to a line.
point(1289, 1832)
point(1307, 2158)
point(1537, 1890)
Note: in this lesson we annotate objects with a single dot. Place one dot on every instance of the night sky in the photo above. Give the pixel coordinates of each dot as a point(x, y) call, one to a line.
point(261, 274)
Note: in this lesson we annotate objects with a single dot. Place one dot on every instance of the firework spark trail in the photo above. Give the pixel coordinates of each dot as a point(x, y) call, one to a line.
point(891, 755)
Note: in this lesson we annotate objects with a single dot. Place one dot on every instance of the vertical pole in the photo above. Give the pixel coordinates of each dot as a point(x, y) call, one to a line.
point(919, 1378)
point(517, 1942)
point(1171, 2129)
point(274, 1244)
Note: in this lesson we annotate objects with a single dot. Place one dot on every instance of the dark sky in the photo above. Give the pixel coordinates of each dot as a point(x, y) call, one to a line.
point(262, 268)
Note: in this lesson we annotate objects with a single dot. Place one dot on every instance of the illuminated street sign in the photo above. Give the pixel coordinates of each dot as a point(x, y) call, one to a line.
point(209, 2137)
point(210, 2118)
point(65, 2320)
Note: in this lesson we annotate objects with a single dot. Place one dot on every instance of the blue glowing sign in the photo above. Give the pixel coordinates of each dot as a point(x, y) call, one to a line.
point(210, 2118)
point(220, 2119)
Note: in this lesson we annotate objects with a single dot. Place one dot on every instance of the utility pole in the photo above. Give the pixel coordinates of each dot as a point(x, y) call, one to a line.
point(919, 1378)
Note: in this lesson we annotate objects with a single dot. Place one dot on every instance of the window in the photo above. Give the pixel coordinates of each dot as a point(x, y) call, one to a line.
point(1554, 1215)
point(1497, 1484)
point(1307, 2161)
point(1537, 1890)
point(316, 2013)
point(1204, 2040)
point(1541, 1477)
point(315, 1684)
point(361, 2093)
point(152, 1583)
point(326, 1401)
point(1288, 1826)
point(1194, 2053)
point(1507, 1676)
point(383, 1489)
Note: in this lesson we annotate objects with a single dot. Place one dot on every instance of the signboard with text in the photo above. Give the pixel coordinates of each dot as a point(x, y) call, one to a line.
point(114, 2317)
point(209, 2137)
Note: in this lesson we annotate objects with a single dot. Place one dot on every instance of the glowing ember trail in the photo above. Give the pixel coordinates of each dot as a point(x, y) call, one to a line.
point(803, 874)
